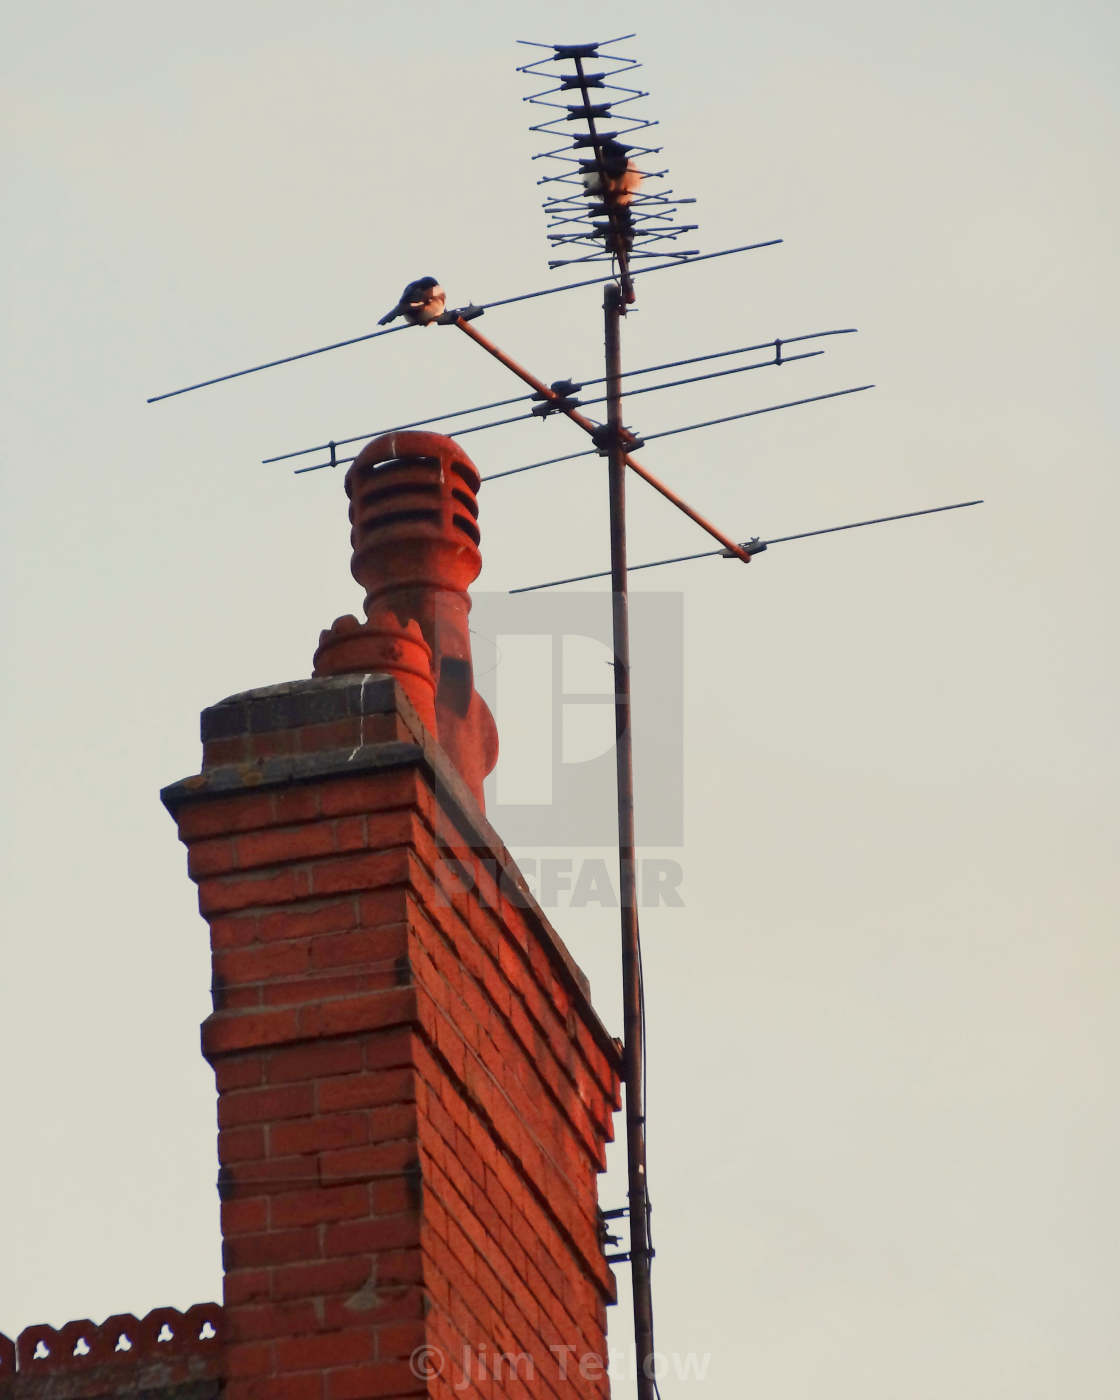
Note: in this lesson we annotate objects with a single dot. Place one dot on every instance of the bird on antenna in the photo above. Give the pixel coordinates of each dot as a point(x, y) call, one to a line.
point(623, 176)
point(421, 303)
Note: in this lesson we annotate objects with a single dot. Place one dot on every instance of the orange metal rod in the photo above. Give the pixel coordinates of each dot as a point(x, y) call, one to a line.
point(588, 427)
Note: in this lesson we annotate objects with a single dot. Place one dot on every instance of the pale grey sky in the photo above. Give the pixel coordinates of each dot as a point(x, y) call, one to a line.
point(883, 1029)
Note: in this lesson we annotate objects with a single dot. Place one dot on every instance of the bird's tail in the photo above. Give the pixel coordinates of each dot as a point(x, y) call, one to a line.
point(389, 316)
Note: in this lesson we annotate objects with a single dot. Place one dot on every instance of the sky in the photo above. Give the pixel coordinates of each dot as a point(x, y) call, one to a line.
point(882, 1018)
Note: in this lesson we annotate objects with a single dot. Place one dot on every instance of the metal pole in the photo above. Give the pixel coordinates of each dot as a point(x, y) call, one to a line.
point(616, 239)
point(633, 1030)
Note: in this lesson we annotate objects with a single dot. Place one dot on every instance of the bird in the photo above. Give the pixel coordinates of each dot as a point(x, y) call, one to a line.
point(623, 176)
point(421, 303)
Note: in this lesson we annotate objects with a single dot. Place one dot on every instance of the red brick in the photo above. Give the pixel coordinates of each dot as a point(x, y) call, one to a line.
point(227, 1031)
point(496, 1192)
point(282, 844)
point(350, 833)
point(434, 1218)
point(244, 1216)
point(320, 1205)
point(246, 1286)
point(233, 930)
point(463, 1120)
point(371, 792)
point(218, 752)
point(377, 1302)
point(216, 816)
point(486, 1278)
point(307, 919)
point(478, 1004)
point(399, 1266)
point(380, 1161)
point(270, 1248)
point(258, 963)
point(273, 743)
point(321, 986)
point(392, 1197)
point(321, 1134)
point(362, 945)
point(391, 1048)
point(437, 1288)
point(393, 1121)
point(225, 893)
point(399, 1339)
point(338, 874)
point(236, 998)
point(400, 827)
point(307, 1385)
point(265, 1105)
point(240, 1144)
point(247, 1359)
point(365, 1090)
point(268, 1320)
point(296, 804)
point(314, 1061)
point(473, 1307)
point(241, 1073)
point(372, 1236)
point(450, 1043)
point(460, 1247)
point(441, 1121)
point(444, 938)
point(470, 1159)
point(211, 858)
point(328, 1349)
point(392, 1378)
point(273, 1175)
point(522, 1302)
point(342, 1015)
point(384, 906)
point(347, 733)
point(330, 1276)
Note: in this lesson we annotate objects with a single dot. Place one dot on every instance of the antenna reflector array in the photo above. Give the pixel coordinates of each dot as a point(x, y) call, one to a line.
point(603, 200)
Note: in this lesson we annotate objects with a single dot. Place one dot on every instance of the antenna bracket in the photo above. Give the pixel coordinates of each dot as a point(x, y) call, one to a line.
point(562, 399)
point(462, 313)
point(604, 438)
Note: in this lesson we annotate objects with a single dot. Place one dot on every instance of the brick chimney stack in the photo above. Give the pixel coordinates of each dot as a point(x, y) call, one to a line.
point(414, 1094)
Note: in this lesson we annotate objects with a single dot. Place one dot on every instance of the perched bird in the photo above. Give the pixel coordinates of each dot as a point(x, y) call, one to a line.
point(421, 302)
point(623, 176)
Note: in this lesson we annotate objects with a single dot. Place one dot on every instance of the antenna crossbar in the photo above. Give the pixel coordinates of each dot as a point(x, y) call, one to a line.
point(755, 545)
point(777, 346)
point(688, 428)
point(486, 306)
